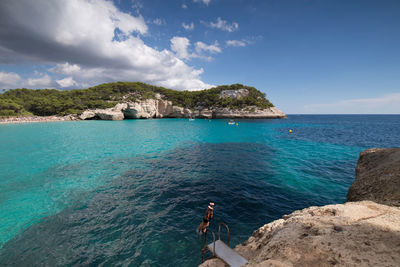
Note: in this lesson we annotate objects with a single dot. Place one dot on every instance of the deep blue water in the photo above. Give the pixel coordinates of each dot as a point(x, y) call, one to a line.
point(133, 192)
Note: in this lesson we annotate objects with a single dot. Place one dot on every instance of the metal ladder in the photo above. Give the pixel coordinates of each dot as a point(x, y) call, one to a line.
point(221, 250)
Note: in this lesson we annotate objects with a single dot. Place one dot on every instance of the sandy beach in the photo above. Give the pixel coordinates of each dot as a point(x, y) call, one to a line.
point(36, 119)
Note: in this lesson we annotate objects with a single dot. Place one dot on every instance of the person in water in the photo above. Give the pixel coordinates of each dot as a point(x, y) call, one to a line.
point(206, 219)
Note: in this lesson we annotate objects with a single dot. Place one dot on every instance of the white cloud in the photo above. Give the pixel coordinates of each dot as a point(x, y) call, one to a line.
point(214, 48)
point(41, 82)
point(184, 6)
point(224, 25)
point(65, 68)
point(180, 46)
point(188, 27)
point(386, 104)
point(206, 2)
point(159, 22)
point(66, 82)
point(13, 80)
point(236, 43)
point(81, 35)
point(9, 80)
point(137, 5)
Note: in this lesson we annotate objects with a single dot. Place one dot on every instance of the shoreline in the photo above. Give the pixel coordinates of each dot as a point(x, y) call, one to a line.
point(33, 119)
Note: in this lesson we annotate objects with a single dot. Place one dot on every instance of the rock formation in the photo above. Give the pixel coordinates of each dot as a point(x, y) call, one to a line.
point(114, 113)
point(352, 234)
point(250, 112)
point(377, 177)
point(235, 94)
point(362, 233)
point(159, 108)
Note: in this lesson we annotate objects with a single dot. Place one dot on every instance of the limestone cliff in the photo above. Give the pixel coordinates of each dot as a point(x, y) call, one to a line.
point(142, 101)
point(162, 108)
point(362, 233)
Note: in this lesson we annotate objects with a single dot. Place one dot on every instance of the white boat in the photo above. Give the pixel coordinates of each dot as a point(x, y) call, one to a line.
point(231, 122)
point(191, 119)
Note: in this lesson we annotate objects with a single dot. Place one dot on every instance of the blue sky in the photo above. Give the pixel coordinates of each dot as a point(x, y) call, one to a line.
point(307, 56)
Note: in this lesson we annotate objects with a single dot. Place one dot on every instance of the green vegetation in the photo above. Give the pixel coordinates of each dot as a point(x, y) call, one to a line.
point(45, 102)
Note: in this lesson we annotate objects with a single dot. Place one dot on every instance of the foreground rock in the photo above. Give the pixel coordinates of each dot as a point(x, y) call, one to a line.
point(362, 233)
point(352, 234)
point(377, 177)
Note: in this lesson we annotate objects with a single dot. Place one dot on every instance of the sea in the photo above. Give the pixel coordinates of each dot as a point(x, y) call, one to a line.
point(133, 192)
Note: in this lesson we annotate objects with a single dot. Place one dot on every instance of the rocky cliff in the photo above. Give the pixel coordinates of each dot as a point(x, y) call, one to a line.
point(124, 100)
point(362, 233)
point(161, 108)
point(377, 177)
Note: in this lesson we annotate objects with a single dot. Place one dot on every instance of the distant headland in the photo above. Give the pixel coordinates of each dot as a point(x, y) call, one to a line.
point(134, 100)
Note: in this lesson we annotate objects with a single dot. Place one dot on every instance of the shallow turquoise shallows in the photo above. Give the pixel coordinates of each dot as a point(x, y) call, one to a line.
point(133, 192)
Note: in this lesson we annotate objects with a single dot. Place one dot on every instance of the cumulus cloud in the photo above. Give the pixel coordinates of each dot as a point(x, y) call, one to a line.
point(214, 48)
point(65, 68)
point(66, 82)
point(90, 42)
point(9, 79)
point(236, 43)
point(184, 6)
point(224, 25)
point(181, 46)
point(40, 82)
point(386, 104)
point(188, 27)
point(13, 80)
point(206, 2)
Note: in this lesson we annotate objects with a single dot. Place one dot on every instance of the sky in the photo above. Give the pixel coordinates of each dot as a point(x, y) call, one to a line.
point(308, 56)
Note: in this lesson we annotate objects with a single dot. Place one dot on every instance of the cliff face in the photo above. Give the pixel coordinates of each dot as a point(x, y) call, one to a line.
point(377, 177)
point(362, 233)
point(160, 108)
point(143, 99)
point(351, 234)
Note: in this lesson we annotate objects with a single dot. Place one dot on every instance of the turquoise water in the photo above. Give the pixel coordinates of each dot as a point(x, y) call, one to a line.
point(133, 192)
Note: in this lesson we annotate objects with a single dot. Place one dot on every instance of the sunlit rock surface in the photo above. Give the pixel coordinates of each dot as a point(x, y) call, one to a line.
point(362, 233)
point(159, 108)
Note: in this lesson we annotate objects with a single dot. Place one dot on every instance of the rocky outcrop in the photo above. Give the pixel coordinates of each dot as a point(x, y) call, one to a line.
point(234, 94)
point(159, 108)
point(362, 233)
point(352, 234)
point(114, 113)
point(377, 177)
point(141, 110)
point(250, 112)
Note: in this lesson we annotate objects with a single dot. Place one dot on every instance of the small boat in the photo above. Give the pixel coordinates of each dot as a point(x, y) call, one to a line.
point(231, 122)
point(191, 119)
